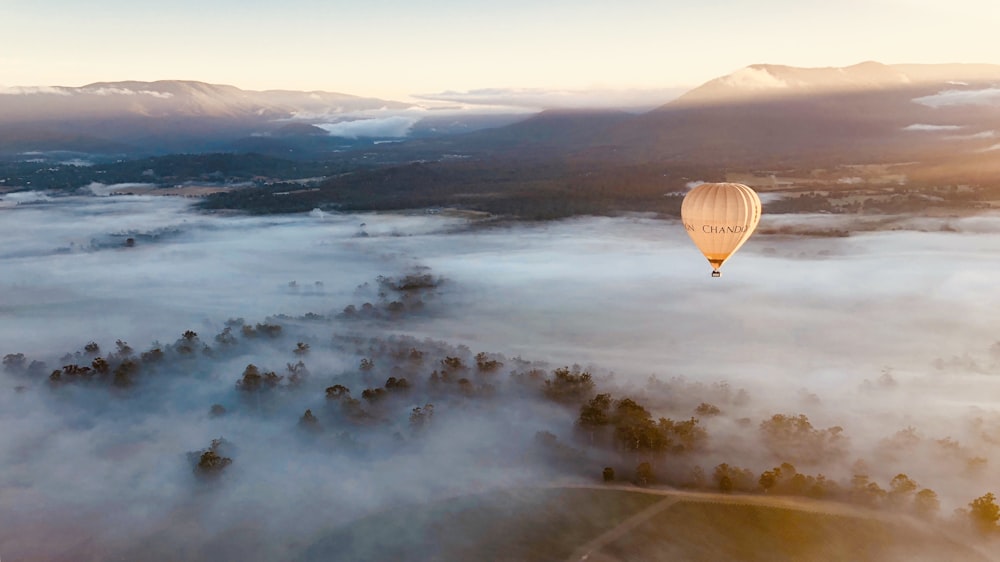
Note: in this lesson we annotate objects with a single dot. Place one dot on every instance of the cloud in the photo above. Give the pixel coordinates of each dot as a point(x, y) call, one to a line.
point(103, 190)
point(536, 98)
point(945, 98)
point(751, 78)
point(926, 127)
point(106, 91)
point(394, 126)
point(29, 90)
point(24, 197)
point(337, 114)
point(80, 162)
point(991, 134)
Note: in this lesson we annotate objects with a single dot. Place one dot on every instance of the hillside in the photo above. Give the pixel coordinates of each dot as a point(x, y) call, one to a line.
point(172, 99)
point(779, 115)
point(160, 116)
point(617, 524)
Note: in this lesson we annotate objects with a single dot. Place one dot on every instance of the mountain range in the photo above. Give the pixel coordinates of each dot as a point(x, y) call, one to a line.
point(163, 116)
point(759, 114)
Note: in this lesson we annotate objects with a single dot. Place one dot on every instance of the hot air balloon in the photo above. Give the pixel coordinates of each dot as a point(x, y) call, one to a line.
point(719, 217)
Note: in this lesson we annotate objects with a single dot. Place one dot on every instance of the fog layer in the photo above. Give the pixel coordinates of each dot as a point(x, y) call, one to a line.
point(877, 332)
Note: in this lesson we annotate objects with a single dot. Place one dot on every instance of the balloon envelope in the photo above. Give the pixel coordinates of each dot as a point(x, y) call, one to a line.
point(719, 217)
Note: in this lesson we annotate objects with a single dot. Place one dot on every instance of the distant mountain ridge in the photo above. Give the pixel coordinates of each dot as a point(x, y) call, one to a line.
point(778, 81)
point(161, 116)
point(763, 114)
point(772, 114)
point(173, 98)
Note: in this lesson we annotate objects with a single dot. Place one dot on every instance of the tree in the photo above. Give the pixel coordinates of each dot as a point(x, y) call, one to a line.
point(100, 365)
point(123, 348)
point(706, 409)
point(251, 380)
point(795, 437)
point(392, 383)
point(14, 362)
point(336, 391)
point(644, 474)
point(901, 489)
point(985, 513)
point(210, 462)
point(187, 342)
point(124, 373)
point(152, 356)
point(569, 386)
point(866, 492)
point(594, 414)
point(309, 421)
point(272, 379)
point(769, 479)
point(420, 417)
point(270, 330)
point(486, 364)
point(454, 363)
point(729, 478)
point(683, 435)
point(226, 337)
point(297, 373)
point(926, 503)
point(725, 484)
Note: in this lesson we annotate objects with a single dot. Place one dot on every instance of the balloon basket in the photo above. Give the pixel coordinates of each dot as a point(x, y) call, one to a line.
point(716, 273)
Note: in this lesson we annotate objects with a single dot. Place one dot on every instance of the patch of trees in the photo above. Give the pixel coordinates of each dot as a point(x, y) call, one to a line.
point(678, 393)
point(630, 428)
point(124, 367)
point(409, 387)
point(536, 189)
point(212, 461)
point(794, 437)
point(396, 297)
point(984, 512)
point(569, 385)
point(168, 170)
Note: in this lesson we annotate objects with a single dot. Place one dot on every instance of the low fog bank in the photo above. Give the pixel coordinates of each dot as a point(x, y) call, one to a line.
point(888, 335)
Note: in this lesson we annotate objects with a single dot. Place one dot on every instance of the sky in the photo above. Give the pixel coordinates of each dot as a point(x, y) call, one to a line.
point(396, 49)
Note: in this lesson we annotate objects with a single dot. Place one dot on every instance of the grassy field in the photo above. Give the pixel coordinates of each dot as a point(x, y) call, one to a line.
point(711, 532)
point(531, 524)
point(553, 524)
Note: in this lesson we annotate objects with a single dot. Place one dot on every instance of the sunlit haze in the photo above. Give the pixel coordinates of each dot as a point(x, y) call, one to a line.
point(395, 49)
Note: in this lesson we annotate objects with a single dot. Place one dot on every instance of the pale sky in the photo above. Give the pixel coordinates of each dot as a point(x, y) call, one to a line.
point(397, 48)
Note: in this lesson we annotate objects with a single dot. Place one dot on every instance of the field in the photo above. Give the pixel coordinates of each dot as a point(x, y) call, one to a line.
point(615, 524)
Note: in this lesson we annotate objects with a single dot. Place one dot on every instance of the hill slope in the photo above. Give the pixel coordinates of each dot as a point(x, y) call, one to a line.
point(562, 523)
point(779, 114)
point(166, 115)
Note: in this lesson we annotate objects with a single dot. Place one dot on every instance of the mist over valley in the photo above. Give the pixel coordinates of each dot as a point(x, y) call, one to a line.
point(503, 333)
